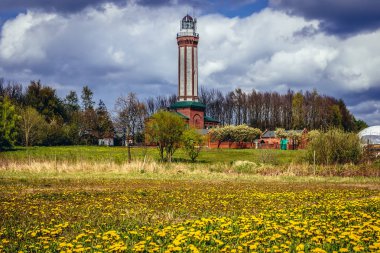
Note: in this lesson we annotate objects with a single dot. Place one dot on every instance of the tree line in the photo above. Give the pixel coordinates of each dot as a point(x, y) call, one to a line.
point(271, 110)
point(36, 115)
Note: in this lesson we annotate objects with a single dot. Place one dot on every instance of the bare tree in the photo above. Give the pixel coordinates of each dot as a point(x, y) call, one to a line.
point(130, 115)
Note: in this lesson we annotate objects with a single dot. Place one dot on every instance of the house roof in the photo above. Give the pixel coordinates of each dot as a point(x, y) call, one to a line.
point(187, 104)
point(209, 119)
point(269, 134)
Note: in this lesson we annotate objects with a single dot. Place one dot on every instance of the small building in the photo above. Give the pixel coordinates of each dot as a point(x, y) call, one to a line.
point(370, 139)
point(370, 135)
point(269, 140)
point(106, 142)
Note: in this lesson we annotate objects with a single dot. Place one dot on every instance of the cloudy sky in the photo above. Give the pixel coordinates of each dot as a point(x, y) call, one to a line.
point(121, 46)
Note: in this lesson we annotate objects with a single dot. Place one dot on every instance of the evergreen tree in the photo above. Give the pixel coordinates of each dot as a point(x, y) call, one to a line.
point(87, 100)
point(87, 128)
point(72, 102)
point(104, 126)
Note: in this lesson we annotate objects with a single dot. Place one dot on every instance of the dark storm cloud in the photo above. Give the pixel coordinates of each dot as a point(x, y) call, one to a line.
point(60, 5)
point(8, 8)
point(340, 17)
point(78, 5)
point(368, 95)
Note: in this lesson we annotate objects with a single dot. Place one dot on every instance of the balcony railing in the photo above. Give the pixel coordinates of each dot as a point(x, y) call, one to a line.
point(182, 34)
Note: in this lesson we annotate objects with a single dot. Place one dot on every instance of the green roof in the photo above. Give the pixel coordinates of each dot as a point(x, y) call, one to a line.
point(209, 119)
point(181, 115)
point(187, 104)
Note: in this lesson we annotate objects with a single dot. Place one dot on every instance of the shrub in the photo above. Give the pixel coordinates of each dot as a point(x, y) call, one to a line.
point(334, 147)
point(281, 133)
point(240, 133)
point(192, 143)
point(312, 135)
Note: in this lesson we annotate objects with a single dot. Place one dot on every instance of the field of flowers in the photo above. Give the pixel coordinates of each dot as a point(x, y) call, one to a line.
point(77, 215)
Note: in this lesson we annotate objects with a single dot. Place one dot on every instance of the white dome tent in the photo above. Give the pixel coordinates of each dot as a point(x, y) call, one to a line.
point(370, 135)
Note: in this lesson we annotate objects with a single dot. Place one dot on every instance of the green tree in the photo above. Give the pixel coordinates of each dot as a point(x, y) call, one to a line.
point(87, 100)
point(192, 143)
point(336, 117)
point(33, 126)
point(253, 134)
point(244, 133)
point(297, 111)
point(45, 100)
point(165, 129)
point(222, 134)
point(104, 126)
point(240, 133)
point(57, 134)
point(8, 121)
point(360, 124)
point(88, 124)
point(75, 118)
point(71, 102)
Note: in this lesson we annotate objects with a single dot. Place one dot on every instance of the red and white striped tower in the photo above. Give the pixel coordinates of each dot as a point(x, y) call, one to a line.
point(188, 106)
point(187, 40)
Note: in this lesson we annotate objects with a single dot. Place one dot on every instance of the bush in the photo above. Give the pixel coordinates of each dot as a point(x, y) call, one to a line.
point(240, 133)
point(245, 167)
point(334, 147)
point(192, 143)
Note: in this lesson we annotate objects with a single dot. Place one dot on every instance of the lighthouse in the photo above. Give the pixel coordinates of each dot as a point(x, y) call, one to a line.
point(187, 105)
point(187, 40)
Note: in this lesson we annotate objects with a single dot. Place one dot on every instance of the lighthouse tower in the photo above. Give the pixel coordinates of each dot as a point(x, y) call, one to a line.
point(187, 40)
point(187, 105)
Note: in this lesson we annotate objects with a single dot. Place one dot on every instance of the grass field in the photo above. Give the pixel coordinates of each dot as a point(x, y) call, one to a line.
point(124, 215)
point(119, 154)
point(243, 161)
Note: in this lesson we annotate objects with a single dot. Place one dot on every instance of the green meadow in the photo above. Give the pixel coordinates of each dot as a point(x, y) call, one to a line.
point(119, 155)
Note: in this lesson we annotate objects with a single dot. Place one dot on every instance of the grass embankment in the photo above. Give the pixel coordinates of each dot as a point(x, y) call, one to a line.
point(118, 215)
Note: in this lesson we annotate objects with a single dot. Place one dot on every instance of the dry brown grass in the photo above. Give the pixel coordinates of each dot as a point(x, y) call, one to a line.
point(150, 169)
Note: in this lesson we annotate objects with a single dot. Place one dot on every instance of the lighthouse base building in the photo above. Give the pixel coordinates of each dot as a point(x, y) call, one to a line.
point(193, 112)
point(188, 106)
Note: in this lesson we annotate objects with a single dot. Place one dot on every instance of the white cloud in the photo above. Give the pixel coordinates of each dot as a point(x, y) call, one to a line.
point(117, 49)
point(18, 35)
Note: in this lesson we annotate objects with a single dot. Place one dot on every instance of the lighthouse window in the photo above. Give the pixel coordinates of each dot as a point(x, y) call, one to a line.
point(187, 25)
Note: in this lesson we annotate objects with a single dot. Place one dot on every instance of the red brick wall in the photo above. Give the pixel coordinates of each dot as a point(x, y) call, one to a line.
point(196, 117)
point(231, 145)
point(210, 124)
